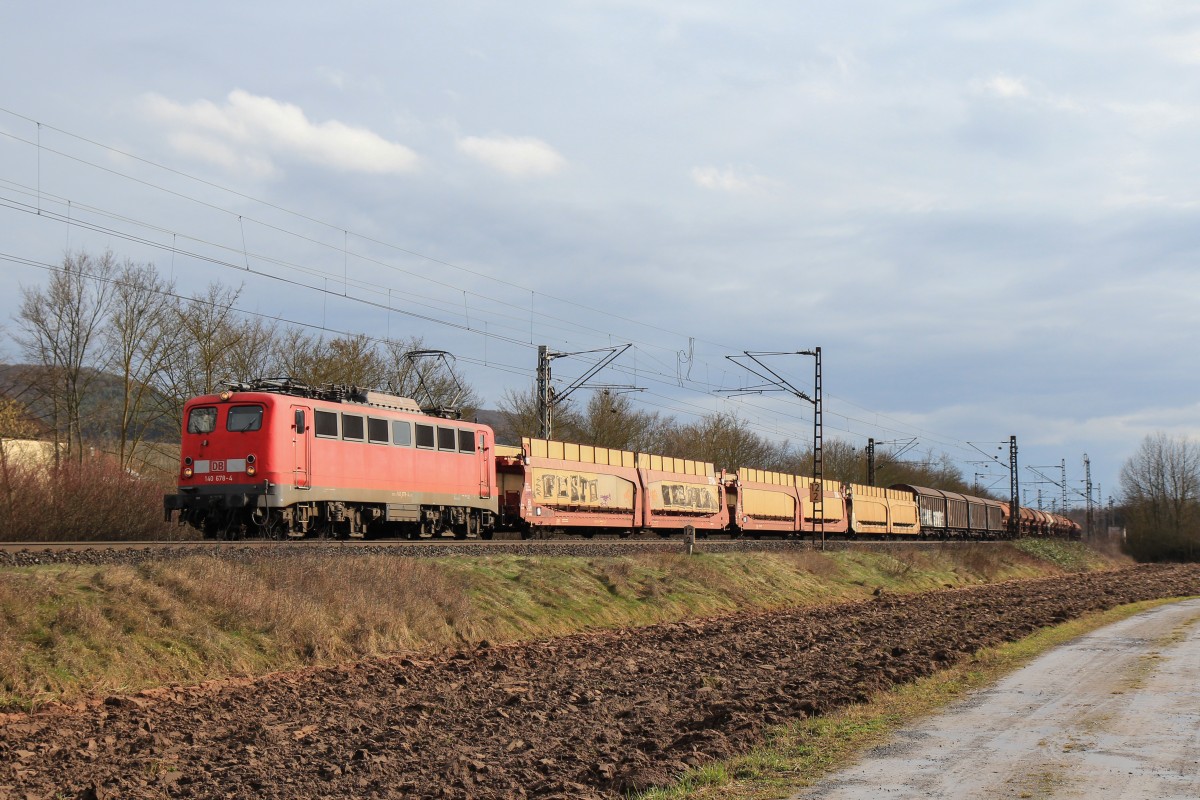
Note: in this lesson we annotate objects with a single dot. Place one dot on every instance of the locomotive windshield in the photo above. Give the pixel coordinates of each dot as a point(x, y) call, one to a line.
point(202, 420)
point(244, 418)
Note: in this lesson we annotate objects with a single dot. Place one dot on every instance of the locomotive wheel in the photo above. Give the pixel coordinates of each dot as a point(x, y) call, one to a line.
point(269, 525)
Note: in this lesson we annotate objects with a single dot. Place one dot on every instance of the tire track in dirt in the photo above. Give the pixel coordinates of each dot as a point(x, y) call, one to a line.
point(586, 716)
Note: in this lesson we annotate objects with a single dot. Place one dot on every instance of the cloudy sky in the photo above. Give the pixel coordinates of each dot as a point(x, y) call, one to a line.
point(985, 214)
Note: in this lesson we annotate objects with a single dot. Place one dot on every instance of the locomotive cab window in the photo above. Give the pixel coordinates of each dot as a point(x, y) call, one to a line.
point(466, 441)
point(377, 430)
point(244, 418)
point(447, 438)
point(352, 427)
point(202, 420)
point(425, 436)
point(325, 423)
point(402, 433)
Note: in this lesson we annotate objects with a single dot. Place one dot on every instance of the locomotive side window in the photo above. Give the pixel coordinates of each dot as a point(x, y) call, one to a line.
point(377, 430)
point(244, 418)
point(402, 433)
point(447, 438)
point(466, 441)
point(202, 420)
point(352, 427)
point(325, 423)
point(425, 436)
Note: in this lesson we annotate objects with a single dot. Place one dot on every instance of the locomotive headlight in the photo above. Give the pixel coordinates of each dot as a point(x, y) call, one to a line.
point(250, 470)
point(225, 395)
point(250, 458)
point(187, 472)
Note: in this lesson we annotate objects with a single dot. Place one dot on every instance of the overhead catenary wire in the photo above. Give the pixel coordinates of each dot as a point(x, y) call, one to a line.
point(664, 375)
point(661, 377)
point(668, 404)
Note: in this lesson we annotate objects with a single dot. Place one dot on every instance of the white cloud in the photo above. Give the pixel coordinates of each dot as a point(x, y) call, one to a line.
point(726, 180)
point(1183, 47)
point(1004, 86)
point(334, 77)
point(222, 154)
point(249, 129)
point(513, 155)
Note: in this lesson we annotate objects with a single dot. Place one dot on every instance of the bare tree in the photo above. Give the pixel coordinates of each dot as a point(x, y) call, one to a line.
point(1160, 484)
point(294, 354)
point(200, 364)
point(520, 418)
point(61, 326)
point(724, 439)
point(254, 350)
point(141, 338)
point(350, 360)
point(610, 420)
point(353, 360)
point(840, 460)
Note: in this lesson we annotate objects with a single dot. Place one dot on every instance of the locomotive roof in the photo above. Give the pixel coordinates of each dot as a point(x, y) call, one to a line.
point(333, 393)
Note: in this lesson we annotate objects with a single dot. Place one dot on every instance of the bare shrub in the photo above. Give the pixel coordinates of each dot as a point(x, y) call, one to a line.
point(615, 574)
point(94, 500)
point(982, 560)
point(815, 563)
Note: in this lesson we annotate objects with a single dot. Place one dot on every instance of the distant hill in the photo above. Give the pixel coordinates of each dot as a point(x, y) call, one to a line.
point(101, 413)
point(494, 420)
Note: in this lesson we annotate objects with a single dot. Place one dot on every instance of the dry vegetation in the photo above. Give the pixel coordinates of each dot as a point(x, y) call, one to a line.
point(68, 632)
point(92, 500)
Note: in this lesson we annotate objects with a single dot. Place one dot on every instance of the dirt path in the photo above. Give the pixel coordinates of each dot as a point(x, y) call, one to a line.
point(1114, 714)
point(583, 717)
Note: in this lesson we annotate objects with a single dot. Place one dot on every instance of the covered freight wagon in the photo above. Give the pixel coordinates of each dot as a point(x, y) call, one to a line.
point(949, 514)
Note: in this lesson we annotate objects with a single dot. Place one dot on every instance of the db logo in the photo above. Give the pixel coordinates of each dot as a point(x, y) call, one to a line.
point(218, 466)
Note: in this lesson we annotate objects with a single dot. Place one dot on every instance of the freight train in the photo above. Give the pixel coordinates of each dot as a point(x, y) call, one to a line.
point(279, 459)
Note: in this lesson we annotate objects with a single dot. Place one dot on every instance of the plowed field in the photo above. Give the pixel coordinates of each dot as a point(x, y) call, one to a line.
point(592, 715)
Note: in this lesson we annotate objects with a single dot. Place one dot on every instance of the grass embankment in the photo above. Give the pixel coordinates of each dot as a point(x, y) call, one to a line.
point(801, 754)
point(69, 632)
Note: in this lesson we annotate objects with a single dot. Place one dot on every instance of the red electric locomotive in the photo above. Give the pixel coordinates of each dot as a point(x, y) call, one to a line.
point(278, 458)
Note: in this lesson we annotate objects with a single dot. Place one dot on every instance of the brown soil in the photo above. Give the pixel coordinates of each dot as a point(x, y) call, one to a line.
point(594, 715)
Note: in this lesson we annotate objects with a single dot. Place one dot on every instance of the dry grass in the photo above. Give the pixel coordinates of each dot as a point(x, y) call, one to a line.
point(90, 501)
point(66, 632)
